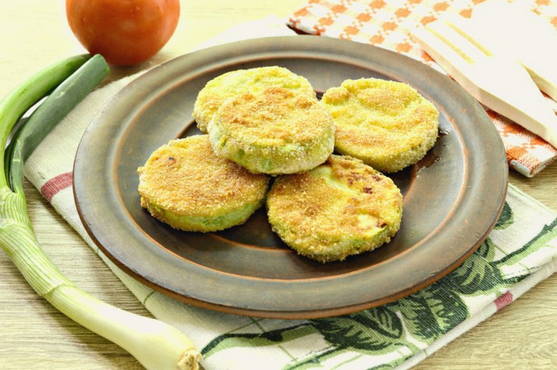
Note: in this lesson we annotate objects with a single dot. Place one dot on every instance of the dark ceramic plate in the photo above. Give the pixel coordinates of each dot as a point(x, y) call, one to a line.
point(452, 198)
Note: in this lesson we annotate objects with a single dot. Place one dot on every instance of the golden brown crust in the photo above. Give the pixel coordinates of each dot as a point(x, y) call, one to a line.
point(234, 83)
point(273, 132)
point(186, 178)
point(387, 124)
point(275, 117)
point(343, 207)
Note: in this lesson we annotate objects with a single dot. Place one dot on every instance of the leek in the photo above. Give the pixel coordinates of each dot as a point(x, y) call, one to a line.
point(153, 343)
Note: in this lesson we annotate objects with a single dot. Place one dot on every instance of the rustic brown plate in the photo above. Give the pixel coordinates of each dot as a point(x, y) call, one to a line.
point(451, 199)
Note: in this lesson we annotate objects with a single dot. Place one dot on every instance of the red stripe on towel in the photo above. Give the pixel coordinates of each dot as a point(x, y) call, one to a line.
point(503, 300)
point(56, 184)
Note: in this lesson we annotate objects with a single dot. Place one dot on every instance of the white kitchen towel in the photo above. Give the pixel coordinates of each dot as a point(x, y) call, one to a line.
point(518, 254)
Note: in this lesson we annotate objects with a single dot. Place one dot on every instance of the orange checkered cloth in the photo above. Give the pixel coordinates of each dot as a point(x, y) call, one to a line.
point(385, 23)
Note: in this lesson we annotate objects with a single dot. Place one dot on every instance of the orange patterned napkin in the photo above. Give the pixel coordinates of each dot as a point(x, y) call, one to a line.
point(385, 23)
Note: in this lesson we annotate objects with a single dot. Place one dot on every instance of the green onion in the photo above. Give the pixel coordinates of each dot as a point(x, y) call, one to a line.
point(153, 343)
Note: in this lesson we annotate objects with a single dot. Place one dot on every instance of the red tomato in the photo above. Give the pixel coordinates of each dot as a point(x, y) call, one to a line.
point(125, 32)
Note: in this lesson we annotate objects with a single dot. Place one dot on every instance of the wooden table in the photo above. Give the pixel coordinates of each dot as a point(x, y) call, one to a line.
point(33, 34)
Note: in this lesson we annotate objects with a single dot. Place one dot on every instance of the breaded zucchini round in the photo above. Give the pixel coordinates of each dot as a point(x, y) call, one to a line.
point(387, 124)
point(274, 132)
point(241, 81)
point(340, 208)
point(185, 185)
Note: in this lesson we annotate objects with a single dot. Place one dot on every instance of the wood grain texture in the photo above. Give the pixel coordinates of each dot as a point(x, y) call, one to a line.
point(34, 335)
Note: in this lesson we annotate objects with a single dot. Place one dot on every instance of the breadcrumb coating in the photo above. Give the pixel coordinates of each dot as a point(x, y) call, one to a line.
point(387, 124)
point(340, 208)
point(184, 184)
point(276, 131)
point(234, 83)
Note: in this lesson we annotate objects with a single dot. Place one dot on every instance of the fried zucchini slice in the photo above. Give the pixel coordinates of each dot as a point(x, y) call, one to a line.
point(185, 185)
point(387, 124)
point(341, 208)
point(234, 83)
point(274, 132)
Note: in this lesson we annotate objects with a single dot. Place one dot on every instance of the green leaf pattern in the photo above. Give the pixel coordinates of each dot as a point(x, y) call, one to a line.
point(432, 312)
point(370, 330)
point(422, 317)
point(506, 218)
point(478, 274)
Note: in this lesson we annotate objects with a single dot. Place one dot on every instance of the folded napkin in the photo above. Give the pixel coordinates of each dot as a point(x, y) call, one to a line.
point(385, 24)
point(518, 254)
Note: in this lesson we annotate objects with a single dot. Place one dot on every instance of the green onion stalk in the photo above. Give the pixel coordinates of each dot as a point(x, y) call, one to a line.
point(153, 343)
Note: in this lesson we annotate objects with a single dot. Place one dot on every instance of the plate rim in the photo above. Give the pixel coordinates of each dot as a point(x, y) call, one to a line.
point(298, 314)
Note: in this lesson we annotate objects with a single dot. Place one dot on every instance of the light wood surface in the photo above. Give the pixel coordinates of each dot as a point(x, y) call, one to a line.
point(501, 84)
point(33, 335)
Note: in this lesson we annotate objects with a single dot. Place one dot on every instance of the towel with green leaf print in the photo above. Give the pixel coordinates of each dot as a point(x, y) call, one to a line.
point(518, 253)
